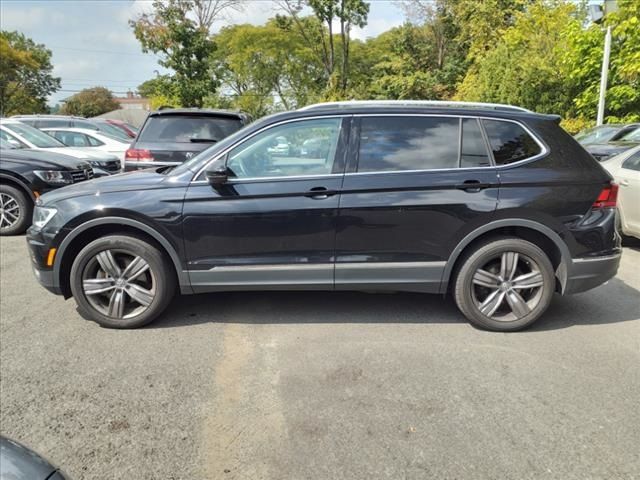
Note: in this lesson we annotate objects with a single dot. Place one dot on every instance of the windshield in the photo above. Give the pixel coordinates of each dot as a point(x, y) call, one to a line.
point(34, 136)
point(633, 136)
point(193, 163)
point(597, 134)
point(188, 129)
point(112, 131)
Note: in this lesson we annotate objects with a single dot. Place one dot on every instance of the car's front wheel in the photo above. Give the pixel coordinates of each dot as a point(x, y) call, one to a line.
point(505, 284)
point(16, 209)
point(121, 281)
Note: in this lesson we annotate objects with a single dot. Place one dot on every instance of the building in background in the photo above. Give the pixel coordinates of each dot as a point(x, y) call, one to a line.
point(133, 102)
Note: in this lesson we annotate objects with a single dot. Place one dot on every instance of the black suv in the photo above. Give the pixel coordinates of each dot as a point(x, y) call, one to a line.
point(171, 136)
point(494, 204)
point(25, 175)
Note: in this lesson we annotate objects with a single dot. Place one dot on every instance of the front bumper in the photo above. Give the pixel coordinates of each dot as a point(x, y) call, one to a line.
point(38, 245)
point(587, 273)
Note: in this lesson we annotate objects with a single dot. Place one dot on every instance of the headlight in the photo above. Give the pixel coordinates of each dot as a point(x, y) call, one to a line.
point(43, 215)
point(54, 177)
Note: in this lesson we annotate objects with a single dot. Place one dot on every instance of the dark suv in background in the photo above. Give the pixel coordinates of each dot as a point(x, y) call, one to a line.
point(495, 205)
point(171, 136)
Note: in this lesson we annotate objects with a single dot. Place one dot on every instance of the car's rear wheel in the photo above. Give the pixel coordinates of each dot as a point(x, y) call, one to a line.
point(16, 209)
point(505, 284)
point(121, 281)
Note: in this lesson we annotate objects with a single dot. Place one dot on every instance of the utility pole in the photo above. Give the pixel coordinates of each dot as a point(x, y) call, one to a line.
point(604, 75)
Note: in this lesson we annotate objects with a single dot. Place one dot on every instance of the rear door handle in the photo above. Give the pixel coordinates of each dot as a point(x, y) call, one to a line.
point(472, 186)
point(624, 183)
point(319, 193)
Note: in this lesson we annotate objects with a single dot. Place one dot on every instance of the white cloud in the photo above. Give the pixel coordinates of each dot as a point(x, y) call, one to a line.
point(14, 17)
point(375, 27)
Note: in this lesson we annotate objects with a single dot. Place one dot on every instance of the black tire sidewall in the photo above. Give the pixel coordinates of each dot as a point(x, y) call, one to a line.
point(26, 210)
point(463, 284)
point(165, 283)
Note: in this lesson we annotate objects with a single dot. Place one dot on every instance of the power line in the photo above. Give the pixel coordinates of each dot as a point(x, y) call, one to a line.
point(112, 52)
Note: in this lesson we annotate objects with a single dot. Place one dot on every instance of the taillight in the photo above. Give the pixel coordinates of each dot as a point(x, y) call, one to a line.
point(608, 197)
point(138, 155)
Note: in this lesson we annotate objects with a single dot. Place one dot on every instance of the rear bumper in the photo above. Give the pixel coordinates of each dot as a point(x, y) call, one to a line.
point(588, 273)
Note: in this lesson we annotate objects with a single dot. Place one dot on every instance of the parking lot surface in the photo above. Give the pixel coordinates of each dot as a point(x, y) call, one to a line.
point(323, 386)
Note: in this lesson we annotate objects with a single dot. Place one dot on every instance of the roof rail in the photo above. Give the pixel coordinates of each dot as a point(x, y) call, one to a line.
point(417, 103)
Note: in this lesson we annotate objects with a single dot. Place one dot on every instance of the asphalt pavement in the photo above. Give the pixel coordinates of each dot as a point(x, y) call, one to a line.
point(323, 386)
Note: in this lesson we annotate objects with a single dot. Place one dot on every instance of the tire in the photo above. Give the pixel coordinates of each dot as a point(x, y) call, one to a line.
point(121, 281)
point(14, 201)
point(504, 284)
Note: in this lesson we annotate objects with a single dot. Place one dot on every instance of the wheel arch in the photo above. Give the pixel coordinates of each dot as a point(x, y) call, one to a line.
point(537, 233)
point(92, 229)
point(17, 182)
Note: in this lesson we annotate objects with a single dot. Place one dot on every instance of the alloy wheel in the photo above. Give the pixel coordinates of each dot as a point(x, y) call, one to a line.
point(9, 211)
point(119, 284)
point(508, 286)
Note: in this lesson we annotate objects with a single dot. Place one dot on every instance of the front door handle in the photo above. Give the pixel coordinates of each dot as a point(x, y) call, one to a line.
point(472, 186)
point(624, 183)
point(319, 193)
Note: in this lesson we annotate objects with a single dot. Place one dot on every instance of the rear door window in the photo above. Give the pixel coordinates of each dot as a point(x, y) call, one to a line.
point(188, 129)
point(408, 143)
point(474, 148)
point(53, 122)
point(509, 142)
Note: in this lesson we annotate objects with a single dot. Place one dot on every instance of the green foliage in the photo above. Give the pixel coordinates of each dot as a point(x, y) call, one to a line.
point(162, 91)
point(540, 54)
point(584, 62)
point(90, 102)
point(184, 46)
point(526, 65)
point(25, 75)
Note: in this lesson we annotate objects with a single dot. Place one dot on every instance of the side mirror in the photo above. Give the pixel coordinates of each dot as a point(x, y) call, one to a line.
point(218, 176)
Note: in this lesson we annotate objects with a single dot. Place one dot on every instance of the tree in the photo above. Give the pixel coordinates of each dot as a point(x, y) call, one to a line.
point(266, 67)
point(584, 60)
point(422, 59)
point(178, 30)
point(526, 67)
point(90, 102)
point(161, 91)
point(26, 78)
point(320, 37)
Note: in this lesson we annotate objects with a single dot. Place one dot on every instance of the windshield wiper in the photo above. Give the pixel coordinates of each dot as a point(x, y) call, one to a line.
point(203, 140)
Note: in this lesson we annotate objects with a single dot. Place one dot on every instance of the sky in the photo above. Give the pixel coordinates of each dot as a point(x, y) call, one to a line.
point(93, 45)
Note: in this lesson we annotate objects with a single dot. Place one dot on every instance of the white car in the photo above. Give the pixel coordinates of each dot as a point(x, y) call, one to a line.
point(19, 135)
point(625, 169)
point(90, 140)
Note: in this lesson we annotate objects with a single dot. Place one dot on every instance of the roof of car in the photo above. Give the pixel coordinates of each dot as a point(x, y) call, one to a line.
point(422, 106)
point(47, 115)
point(199, 112)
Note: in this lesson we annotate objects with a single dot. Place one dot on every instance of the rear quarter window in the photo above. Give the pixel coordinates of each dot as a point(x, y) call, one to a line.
point(510, 142)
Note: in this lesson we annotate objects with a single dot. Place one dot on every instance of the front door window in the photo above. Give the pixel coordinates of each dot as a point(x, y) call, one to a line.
point(294, 149)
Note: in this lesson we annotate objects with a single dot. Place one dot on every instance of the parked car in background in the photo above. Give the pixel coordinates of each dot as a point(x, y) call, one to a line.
point(171, 136)
point(129, 130)
point(603, 151)
point(48, 121)
point(90, 140)
point(605, 133)
point(27, 174)
point(495, 205)
point(18, 462)
point(70, 121)
point(625, 169)
point(22, 136)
